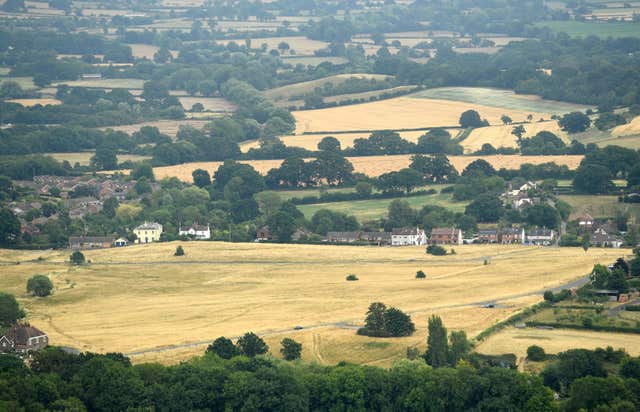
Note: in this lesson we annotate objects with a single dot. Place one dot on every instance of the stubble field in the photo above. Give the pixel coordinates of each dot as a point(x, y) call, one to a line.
point(145, 302)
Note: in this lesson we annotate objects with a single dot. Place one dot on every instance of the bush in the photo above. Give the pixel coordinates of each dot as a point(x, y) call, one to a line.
point(420, 275)
point(536, 353)
point(39, 285)
point(352, 278)
point(77, 258)
point(179, 251)
point(436, 250)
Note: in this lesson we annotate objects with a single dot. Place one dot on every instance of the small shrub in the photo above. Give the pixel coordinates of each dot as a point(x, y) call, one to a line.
point(352, 278)
point(77, 258)
point(536, 353)
point(39, 285)
point(453, 251)
point(486, 262)
point(436, 250)
point(587, 323)
point(420, 275)
point(179, 251)
point(413, 353)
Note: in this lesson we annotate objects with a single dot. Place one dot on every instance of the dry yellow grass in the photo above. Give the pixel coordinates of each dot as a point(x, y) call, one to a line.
point(500, 136)
point(142, 297)
point(104, 83)
point(84, 158)
point(398, 113)
point(301, 45)
point(168, 127)
point(211, 104)
point(296, 89)
point(629, 129)
point(373, 165)
point(512, 340)
point(33, 102)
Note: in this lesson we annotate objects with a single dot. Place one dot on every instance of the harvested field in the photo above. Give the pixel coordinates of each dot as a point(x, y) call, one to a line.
point(301, 45)
point(500, 136)
point(313, 61)
point(630, 129)
point(143, 298)
point(599, 206)
point(297, 89)
point(34, 102)
point(376, 165)
point(84, 158)
point(407, 112)
point(168, 127)
point(516, 341)
point(105, 83)
point(211, 104)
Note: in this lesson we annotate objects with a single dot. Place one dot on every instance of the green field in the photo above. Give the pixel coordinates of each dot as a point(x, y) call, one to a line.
point(599, 206)
point(501, 98)
point(601, 29)
point(24, 82)
point(366, 210)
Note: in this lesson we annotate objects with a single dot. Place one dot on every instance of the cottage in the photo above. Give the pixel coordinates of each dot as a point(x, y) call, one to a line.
point(148, 232)
point(512, 235)
point(90, 242)
point(196, 231)
point(446, 236)
point(375, 238)
point(409, 236)
point(23, 338)
point(540, 237)
point(488, 235)
point(601, 238)
point(586, 222)
point(300, 233)
point(263, 234)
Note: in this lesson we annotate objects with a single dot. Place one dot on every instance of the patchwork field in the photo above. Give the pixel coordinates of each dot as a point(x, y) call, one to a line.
point(168, 127)
point(500, 136)
point(84, 158)
point(145, 302)
point(407, 112)
point(375, 165)
point(297, 89)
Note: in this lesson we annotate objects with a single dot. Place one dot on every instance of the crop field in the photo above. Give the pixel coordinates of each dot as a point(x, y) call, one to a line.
point(516, 341)
point(301, 45)
point(500, 98)
point(630, 129)
point(84, 158)
point(601, 29)
point(500, 136)
point(599, 206)
point(368, 210)
point(34, 102)
point(104, 83)
point(142, 298)
point(145, 50)
point(168, 127)
point(375, 165)
point(211, 104)
point(297, 89)
point(407, 112)
point(313, 61)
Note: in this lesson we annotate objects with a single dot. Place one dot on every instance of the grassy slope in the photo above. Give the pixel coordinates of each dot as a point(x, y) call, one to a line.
point(601, 29)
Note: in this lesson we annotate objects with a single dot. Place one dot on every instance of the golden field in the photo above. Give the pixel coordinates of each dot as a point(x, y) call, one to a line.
point(373, 165)
point(399, 113)
point(301, 45)
point(142, 298)
point(298, 89)
point(211, 104)
point(84, 158)
point(34, 102)
point(168, 127)
point(630, 129)
point(500, 136)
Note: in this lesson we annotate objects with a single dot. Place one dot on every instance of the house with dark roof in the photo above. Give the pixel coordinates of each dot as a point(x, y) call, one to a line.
point(540, 237)
point(90, 242)
point(374, 238)
point(512, 235)
point(445, 236)
point(23, 338)
point(601, 238)
point(408, 236)
point(491, 235)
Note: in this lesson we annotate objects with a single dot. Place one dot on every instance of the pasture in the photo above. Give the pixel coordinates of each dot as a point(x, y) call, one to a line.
point(407, 112)
point(211, 104)
point(298, 89)
point(500, 136)
point(599, 206)
point(24, 82)
point(168, 127)
point(374, 165)
point(35, 102)
point(104, 83)
point(601, 29)
point(301, 45)
point(84, 158)
point(141, 299)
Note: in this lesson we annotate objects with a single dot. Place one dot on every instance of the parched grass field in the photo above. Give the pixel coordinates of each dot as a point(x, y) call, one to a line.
point(34, 102)
point(142, 298)
point(516, 341)
point(601, 29)
point(500, 136)
point(375, 165)
point(84, 158)
point(630, 129)
point(407, 112)
point(104, 83)
point(211, 104)
point(599, 206)
point(168, 127)
point(297, 89)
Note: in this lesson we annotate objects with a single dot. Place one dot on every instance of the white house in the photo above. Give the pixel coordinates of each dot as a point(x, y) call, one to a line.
point(540, 237)
point(408, 236)
point(148, 232)
point(196, 231)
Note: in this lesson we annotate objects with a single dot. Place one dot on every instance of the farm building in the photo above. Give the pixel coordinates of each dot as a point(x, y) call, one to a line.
point(196, 231)
point(148, 232)
point(90, 242)
point(540, 237)
point(23, 338)
point(409, 236)
point(446, 236)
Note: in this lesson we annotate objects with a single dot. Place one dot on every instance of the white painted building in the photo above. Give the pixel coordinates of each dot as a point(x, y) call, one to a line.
point(408, 236)
point(196, 231)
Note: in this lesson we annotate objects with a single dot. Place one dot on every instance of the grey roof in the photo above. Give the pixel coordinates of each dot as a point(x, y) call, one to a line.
point(91, 239)
point(539, 232)
point(406, 231)
point(149, 226)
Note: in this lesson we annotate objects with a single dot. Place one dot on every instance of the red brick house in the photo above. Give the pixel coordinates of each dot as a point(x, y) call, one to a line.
point(23, 338)
point(512, 235)
point(488, 235)
point(445, 236)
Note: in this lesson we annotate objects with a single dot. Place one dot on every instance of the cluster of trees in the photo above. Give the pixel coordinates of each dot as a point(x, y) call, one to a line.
point(599, 167)
point(382, 321)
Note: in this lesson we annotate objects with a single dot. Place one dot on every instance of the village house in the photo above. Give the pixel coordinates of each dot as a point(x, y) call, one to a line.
point(408, 236)
point(196, 231)
point(512, 235)
point(263, 234)
point(300, 233)
point(446, 236)
point(23, 338)
point(374, 238)
point(488, 236)
point(540, 237)
point(148, 232)
point(586, 222)
point(601, 238)
point(519, 198)
point(90, 242)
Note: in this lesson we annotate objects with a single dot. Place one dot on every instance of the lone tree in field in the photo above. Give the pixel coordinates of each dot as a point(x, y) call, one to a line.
point(385, 322)
point(574, 122)
point(352, 278)
point(223, 347)
point(77, 258)
point(471, 118)
point(536, 353)
point(420, 275)
point(251, 345)
point(436, 250)
point(291, 350)
point(179, 251)
point(437, 345)
point(39, 285)
point(10, 311)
